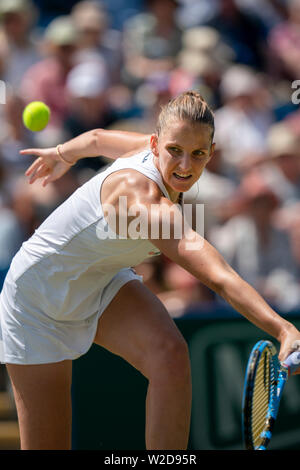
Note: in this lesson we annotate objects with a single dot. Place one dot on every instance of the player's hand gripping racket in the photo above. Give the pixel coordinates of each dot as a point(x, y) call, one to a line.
point(265, 379)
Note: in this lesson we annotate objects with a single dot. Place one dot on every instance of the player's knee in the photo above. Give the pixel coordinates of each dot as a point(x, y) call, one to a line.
point(170, 360)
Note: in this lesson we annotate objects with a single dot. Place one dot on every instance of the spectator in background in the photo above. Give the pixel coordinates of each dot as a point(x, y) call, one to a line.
point(151, 95)
point(22, 202)
point(13, 137)
point(289, 220)
point(31, 204)
point(11, 238)
point(10, 234)
point(151, 42)
point(96, 36)
point(17, 218)
point(293, 120)
point(99, 42)
point(195, 13)
point(46, 80)
point(87, 90)
point(19, 49)
point(243, 121)
point(243, 32)
point(255, 247)
point(200, 63)
point(153, 272)
point(284, 41)
point(182, 290)
point(270, 12)
point(294, 232)
point(282, 163)
point(168, 35)
point(50, 9)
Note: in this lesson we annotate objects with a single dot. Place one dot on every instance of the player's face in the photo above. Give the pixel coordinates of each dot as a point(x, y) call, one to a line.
point(181, 153)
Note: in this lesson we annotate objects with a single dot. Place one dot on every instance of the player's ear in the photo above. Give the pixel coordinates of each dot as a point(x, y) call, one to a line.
point(211, 152)
point(154, 144)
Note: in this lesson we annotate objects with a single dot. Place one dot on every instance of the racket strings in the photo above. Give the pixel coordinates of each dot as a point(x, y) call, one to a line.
point(261, 398)
point(260, 401)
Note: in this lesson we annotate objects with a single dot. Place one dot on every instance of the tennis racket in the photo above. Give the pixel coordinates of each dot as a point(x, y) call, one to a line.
point(264, 383)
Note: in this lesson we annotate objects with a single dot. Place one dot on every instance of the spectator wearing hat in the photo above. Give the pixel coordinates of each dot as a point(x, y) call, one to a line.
point(201, 63)
point(19, 48)
point(194, 13)
point(97, 37)
point(282, 162)
point(89, 107)
point(243, 121)
point(46, 80)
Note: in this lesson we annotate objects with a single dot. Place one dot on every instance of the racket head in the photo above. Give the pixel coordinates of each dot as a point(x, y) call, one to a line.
point(259, 395)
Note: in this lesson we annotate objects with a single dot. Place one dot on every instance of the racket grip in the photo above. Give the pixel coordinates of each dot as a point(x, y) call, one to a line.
point(292, 362)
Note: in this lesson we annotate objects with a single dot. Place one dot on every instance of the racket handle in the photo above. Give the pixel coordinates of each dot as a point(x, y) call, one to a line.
point(293, 362)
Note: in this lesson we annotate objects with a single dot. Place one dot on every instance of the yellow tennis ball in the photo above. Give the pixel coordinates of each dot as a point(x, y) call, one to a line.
point(36, 116)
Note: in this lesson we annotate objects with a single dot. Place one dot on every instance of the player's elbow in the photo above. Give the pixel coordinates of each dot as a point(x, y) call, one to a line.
point(97, 135)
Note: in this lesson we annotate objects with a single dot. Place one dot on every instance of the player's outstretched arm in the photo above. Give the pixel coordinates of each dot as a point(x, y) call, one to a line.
point(52, 163)
point(202, 260)
point(148, 214)
point(108, 143)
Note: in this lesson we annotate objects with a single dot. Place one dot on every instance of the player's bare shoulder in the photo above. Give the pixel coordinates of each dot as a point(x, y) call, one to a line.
point(129, 183)
point(126, 194)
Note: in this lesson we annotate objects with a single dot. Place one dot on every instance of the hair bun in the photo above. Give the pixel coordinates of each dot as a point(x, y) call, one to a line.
point(188, 106)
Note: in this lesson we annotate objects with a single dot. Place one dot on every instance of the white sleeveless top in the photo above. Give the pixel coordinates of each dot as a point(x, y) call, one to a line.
point(66, 263)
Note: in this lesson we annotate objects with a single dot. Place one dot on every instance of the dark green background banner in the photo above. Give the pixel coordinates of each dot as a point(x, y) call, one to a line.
point(109, 395)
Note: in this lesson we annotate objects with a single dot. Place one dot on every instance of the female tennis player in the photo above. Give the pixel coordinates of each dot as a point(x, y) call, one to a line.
point(72, 283)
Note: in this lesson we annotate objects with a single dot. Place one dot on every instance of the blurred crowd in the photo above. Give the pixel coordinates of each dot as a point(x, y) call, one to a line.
point(112, 64)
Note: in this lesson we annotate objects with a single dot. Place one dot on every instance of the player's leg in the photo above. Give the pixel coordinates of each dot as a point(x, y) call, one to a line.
point(43, 400)
point(137, 327)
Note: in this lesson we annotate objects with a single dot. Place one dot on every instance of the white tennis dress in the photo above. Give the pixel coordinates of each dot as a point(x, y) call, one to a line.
point(66, 274)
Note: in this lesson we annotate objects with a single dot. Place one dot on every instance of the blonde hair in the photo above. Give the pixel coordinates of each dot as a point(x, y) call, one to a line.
point(188, 106)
